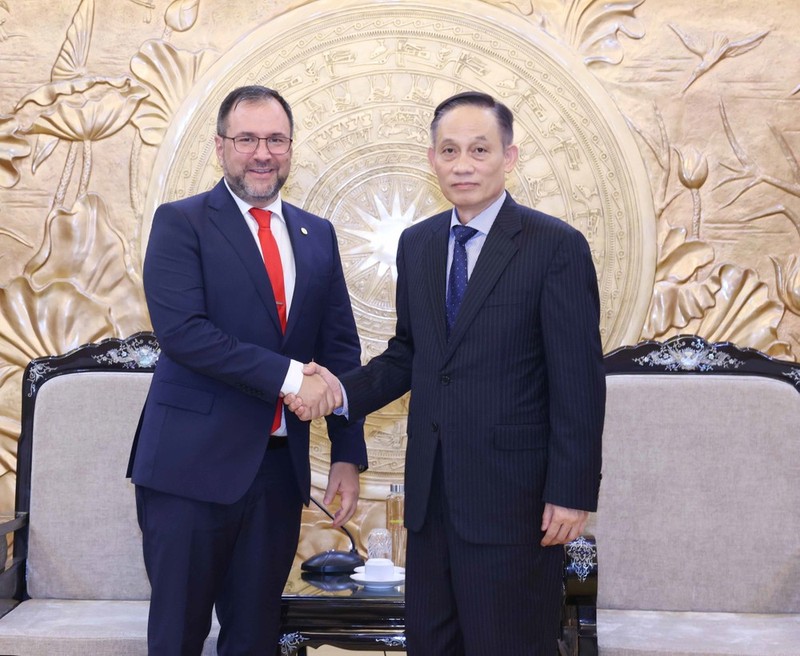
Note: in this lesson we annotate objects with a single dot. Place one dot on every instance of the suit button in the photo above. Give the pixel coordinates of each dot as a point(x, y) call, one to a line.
point(445, 379)
point(435, 427)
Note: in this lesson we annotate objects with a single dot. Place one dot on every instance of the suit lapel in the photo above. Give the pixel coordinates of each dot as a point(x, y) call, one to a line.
point(497, 251)
point(303, 264)
point(225, 215)
point(434, 257)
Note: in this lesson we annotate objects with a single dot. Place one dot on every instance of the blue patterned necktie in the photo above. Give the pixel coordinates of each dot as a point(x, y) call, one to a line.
point(457, 283)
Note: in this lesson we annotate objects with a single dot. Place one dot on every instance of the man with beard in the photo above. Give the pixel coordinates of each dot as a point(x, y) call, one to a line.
point(242, 289)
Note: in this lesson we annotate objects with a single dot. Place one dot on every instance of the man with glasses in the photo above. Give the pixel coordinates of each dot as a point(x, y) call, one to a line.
point(242, 289)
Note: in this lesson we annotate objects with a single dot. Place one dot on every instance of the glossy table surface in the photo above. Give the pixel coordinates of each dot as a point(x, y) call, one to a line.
point(335, 610)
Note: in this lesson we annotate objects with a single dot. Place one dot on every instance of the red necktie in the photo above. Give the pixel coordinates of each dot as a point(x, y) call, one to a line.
point(272, 260)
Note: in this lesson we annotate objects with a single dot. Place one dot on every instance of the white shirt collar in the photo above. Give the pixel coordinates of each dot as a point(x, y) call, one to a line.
point(275, 206)
point(483, 221)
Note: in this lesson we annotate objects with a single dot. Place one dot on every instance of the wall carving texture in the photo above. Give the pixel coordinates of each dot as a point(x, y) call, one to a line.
point(667, 133)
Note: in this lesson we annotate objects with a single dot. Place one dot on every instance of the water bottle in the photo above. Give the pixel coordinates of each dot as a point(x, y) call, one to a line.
point(395, 507)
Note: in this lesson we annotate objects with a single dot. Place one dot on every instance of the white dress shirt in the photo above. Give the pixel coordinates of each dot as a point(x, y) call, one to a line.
point(294, 377)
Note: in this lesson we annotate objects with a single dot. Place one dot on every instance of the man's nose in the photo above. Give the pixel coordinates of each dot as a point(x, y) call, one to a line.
point(261, 150)
point(463, 162)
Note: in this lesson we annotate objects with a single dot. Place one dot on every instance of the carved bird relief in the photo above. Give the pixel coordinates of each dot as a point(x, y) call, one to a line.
point(721, 48)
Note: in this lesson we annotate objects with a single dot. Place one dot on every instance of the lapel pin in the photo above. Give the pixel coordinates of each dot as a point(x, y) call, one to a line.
point(304, 231)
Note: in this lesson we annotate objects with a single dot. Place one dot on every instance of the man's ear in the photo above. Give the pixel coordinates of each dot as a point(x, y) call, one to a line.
point(511, 158)
point(219, 145)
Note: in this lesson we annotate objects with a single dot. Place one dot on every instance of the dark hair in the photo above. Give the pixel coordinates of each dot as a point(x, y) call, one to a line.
point(251, 93)
point(505, 119)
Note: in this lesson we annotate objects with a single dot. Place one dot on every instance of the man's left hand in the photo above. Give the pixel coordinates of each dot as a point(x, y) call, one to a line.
point(562, 525)
point(343, 480)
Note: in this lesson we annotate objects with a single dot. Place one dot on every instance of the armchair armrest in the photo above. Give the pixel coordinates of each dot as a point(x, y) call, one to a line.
point(579, 615)
point(12, 577)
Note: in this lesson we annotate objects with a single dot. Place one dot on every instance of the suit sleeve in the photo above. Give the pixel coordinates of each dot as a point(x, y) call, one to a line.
point(338, 348)
point(175, 290)
point(387, 376)
point(576, 378)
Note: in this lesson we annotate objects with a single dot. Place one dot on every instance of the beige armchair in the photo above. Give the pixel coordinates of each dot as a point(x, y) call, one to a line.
point(698, 527)
point(78, 582)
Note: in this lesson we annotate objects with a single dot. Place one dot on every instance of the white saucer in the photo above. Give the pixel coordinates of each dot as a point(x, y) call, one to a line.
point(399, 577)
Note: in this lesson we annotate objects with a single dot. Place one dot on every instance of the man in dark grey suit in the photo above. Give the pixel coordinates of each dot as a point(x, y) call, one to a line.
point(497, 338)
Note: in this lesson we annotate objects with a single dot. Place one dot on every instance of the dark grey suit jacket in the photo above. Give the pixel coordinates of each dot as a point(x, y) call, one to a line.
point(516, 396)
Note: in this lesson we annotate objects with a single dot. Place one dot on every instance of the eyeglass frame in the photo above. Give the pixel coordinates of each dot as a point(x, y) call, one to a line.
point(279, 138)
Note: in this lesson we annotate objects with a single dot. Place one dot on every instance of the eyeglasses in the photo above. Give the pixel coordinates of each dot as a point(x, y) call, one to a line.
point(277, 145)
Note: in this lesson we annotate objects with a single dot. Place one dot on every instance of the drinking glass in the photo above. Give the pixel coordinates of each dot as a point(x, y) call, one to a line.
point(379, 543)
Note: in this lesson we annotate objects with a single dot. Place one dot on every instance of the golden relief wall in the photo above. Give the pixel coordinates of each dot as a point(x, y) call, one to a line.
point(665, 132)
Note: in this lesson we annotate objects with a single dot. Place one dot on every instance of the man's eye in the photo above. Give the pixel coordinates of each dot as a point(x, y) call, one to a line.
point(277, 141)
point(246, 141)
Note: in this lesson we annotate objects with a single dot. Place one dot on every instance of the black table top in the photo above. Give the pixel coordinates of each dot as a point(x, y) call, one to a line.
point(335, 610)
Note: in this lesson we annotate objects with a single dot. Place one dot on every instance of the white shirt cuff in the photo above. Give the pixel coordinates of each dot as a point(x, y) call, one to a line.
point(294, 378)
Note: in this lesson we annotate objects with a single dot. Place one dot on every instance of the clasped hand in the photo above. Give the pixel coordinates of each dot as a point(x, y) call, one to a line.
point(320, 393)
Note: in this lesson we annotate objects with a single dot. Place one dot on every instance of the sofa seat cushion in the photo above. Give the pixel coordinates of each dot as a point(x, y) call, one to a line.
point(43, 627)
point(645, 633)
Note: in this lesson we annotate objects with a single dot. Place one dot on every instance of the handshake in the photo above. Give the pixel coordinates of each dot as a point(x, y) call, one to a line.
point(320, 393)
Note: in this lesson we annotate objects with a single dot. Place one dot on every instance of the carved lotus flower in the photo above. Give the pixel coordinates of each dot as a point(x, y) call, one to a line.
point(83, 109)
point(693, 170)
point(693, 173)
point(12, 147)
point(181, 14)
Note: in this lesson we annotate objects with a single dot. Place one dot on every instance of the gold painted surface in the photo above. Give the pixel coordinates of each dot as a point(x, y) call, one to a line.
point(666, 132)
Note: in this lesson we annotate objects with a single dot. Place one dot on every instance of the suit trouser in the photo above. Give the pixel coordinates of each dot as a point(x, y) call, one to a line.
point(478, 599)
point(236, 556)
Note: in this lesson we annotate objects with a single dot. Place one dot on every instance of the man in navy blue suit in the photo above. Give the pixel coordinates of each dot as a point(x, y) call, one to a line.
point(242, 289)
point(497, 339)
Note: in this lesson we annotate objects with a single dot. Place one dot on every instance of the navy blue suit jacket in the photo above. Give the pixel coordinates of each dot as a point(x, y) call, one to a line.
point(516, 396)
point(207, 418)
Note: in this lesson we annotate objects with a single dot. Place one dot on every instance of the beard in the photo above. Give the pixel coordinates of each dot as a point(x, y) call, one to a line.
point(257, 195)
